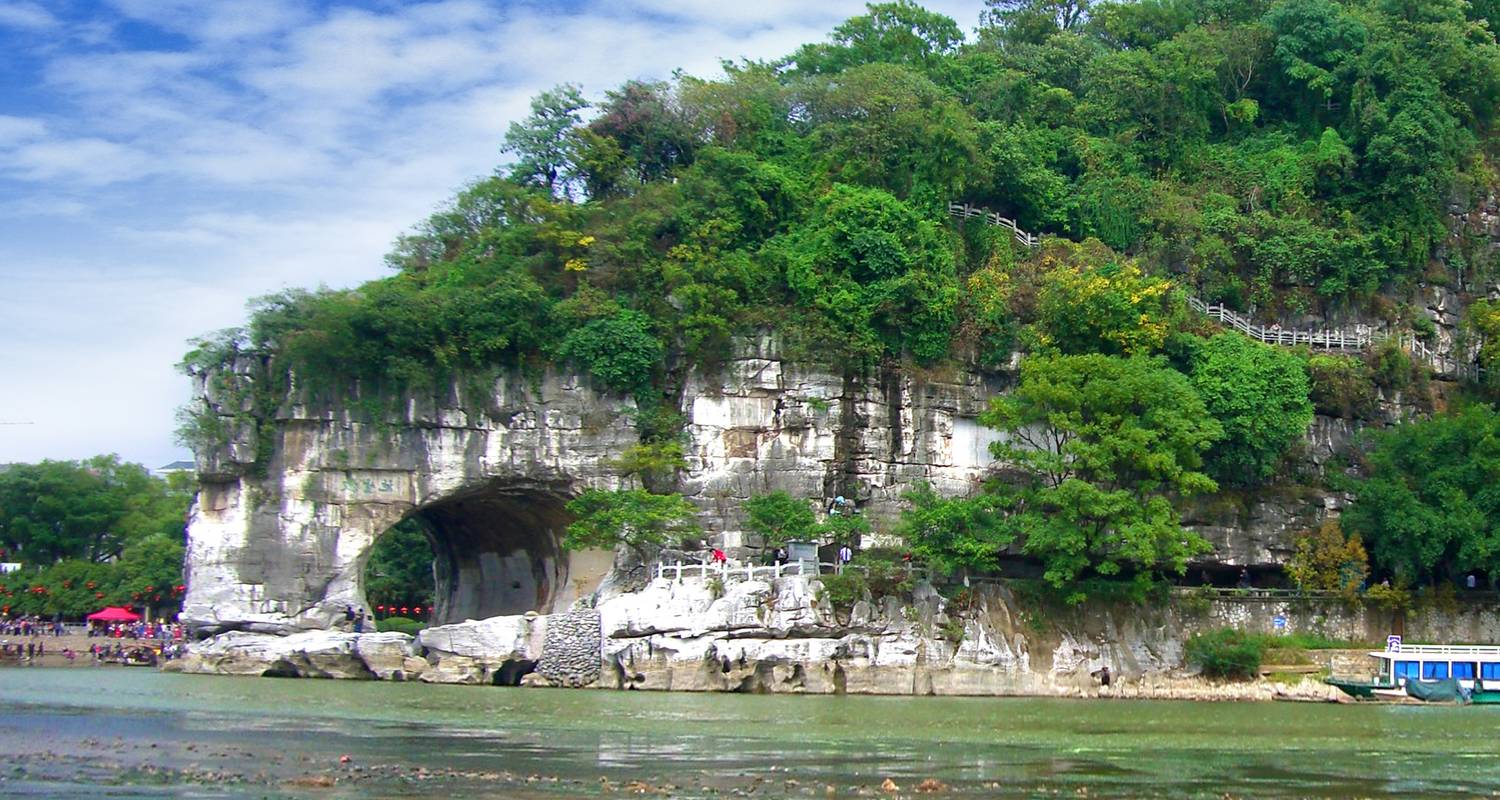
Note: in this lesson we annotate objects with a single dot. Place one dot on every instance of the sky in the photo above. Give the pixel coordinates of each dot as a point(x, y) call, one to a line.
point(162, 162)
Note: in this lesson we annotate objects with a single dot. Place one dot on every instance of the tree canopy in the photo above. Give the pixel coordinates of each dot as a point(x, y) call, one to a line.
point(90, 533)
point(1282, 157)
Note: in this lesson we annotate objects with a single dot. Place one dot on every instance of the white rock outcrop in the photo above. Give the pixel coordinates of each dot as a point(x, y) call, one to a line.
point(315, 654)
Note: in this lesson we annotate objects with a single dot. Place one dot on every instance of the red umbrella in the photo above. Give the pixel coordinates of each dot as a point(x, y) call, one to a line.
point(114, 614)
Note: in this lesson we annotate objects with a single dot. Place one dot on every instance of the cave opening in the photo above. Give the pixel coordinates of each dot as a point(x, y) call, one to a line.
point(494, 551)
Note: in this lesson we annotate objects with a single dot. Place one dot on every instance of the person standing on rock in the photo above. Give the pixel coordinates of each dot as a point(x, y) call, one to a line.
point(359, 621)
point(845, 555)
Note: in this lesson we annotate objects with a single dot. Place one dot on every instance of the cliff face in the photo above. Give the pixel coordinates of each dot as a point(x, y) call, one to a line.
point(489, 477)
point(782, 636)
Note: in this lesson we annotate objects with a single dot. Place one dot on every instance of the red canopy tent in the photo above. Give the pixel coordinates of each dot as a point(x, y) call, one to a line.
point(114, 614)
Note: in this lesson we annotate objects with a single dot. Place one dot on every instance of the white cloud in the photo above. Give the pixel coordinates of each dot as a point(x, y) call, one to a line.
point(28, 16)
point(218, 21)
point(269, 144)
point(83, 161)
point(20, 129)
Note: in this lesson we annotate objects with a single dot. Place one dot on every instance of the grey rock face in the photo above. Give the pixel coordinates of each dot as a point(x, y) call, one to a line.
point(488, 476)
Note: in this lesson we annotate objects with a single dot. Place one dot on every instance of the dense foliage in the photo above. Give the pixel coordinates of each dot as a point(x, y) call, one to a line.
point(1430, 509)
point(400, 570)
point(90, 533)
point(1107, 446)
point(1278, 156)
point(1284, 153)
point(634, 518)
point(779, 518)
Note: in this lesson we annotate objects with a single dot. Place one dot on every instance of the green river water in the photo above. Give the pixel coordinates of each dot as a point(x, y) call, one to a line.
point(119, 732)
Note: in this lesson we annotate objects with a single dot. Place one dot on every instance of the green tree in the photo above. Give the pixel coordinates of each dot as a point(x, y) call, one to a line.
point(1429, 510)
point(542, 141)
point(1260, 395)
point(1033, 21)
point(887, 126)
point(881, 275)
point(780, 518)
point(1326, 560)
point(619, 351)
point(1107, 446)
point(631, 517)
point(896, 33)
point(951, 534)
point(91, 510)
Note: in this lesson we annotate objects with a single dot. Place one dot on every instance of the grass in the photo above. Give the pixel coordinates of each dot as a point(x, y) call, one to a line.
point(1312, 641)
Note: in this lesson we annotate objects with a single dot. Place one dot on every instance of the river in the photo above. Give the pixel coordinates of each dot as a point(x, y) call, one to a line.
point(136, 733)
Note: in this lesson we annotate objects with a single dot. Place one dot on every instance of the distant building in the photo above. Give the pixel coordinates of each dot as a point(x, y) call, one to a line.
point(175, 467)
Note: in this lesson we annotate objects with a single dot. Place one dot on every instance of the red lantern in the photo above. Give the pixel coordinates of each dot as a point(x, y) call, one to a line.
point(136, 596)
point(405, 611)
point(181, 588)
point(150, 588)
point(379, 608)
point(98, 595)
point(91, 584)
point(157, 598)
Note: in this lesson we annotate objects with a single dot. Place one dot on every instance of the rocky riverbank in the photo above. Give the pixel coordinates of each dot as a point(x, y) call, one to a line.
point(770, 637)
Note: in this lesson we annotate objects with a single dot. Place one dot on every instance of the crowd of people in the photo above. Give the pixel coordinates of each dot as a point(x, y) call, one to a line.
point(31, 640)
point(30, 626)
point(159, 631)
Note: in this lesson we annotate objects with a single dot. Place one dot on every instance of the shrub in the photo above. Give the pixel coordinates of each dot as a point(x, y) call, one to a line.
point(1226, 653)
point(1388, 597)
point(405, 625)
point(620, 351)
point(843, 591)
point(1342, 386)
point(885, 573)
point(779, 518)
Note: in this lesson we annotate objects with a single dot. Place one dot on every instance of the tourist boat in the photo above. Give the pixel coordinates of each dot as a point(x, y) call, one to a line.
point(1432, 673)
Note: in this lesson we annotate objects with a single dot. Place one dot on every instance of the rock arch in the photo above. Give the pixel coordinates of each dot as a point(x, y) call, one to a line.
point(498, 550)
point(290, 507)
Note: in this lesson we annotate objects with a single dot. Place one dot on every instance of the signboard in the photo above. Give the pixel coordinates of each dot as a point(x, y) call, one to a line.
point(1279, 622)
point(7, 567)
point(1393, 643)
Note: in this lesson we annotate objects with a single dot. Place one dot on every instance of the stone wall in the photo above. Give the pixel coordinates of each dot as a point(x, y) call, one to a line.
point(570, 652)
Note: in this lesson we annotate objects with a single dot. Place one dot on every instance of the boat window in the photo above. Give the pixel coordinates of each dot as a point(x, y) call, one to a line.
point(1407, 669)
point(1464, 670)
point(1434, 669)
point(1490, 671)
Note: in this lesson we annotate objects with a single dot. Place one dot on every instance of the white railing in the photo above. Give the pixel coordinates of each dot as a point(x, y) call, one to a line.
point(728, 572)
point(1441, 363)
point(1448, 650)
point(746, 572)
point(966, 211)
point(1275, 334)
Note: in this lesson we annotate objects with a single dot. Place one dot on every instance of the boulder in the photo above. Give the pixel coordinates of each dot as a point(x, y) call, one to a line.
point(314, 654)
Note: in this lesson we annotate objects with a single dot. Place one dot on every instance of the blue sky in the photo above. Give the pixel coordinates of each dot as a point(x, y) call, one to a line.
point(164, 161)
